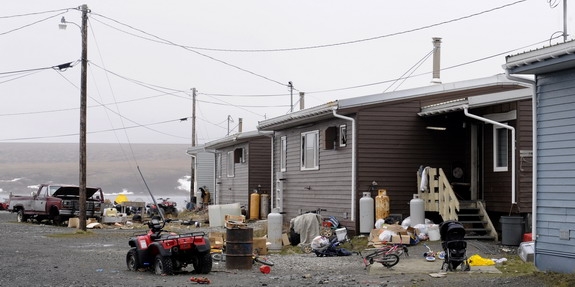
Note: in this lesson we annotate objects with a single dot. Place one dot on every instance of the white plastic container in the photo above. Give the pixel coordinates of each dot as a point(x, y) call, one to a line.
point(275, 223)
point(341, 234)
point(433, 233)
point(526, 251)
point(366, 213)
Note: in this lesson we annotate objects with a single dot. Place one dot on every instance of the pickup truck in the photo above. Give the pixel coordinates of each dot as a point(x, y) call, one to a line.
point(56, 202)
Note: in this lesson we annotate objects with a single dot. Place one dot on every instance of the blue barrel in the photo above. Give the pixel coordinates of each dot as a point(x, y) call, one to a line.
point(239, 248)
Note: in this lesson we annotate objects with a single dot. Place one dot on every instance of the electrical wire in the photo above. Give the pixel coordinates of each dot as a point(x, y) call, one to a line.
point(164, 41)
point(413, 68)
point(316, 46)
point(35, 13)
point(31, 24)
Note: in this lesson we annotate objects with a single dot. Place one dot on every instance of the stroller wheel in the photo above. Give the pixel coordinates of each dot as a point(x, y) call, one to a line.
point(465, 266)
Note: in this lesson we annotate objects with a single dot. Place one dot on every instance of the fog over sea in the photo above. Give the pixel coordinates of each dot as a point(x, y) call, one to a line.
point(113, 167)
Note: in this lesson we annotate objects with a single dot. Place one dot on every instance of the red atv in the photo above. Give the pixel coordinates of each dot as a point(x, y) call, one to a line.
point(165, 252)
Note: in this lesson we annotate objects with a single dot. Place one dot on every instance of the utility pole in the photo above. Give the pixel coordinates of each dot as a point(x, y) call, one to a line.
point(83, 116)
point(290, 85)
point(193, 157)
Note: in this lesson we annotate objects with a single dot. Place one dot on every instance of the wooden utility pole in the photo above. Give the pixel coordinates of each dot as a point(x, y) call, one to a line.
point(83, 116)
point(193, 157)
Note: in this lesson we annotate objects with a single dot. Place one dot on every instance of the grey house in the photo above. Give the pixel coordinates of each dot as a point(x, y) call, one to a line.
point(327, 156)
point(242, 165)
point(203, 169)
point(554, 153)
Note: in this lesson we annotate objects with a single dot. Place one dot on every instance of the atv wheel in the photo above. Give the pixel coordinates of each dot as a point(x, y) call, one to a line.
point(21, 216)
point(163, 265)
point(203, 264)
point(132, 260)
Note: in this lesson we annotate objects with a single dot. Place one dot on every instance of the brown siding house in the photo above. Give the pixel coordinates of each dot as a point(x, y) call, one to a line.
point(387, 137)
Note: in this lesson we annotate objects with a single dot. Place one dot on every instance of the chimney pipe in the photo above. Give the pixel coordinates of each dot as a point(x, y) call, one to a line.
point(240, 122)
point(436, 60)
point(301, 101)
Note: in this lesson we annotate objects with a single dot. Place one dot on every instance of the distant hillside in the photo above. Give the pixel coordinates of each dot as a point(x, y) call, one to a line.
point(110, 166)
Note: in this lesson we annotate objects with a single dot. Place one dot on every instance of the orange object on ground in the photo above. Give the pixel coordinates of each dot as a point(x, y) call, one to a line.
point(265, 269)
point(527, 237)
point(200, 280)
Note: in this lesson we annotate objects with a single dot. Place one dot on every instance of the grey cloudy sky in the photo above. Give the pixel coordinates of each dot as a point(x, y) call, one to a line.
point(146, 56)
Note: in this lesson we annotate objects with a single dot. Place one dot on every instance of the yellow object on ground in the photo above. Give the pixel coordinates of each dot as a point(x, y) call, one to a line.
point(476, 260)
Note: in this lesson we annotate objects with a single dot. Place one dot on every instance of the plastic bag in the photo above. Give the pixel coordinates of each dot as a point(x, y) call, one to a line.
point(319, 242)
point(476, 260)
point(386, 235)
point(379, 223)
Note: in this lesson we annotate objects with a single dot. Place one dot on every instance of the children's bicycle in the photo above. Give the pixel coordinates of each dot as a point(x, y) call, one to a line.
point(387, 255)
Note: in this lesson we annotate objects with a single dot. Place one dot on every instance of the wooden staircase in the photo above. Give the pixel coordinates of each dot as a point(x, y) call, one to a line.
point(438, 196)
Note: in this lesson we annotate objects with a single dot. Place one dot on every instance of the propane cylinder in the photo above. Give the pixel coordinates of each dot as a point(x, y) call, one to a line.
point(366, 213)
point(254, 205)
point(275, 223)
point(381, 205)
point(416, 211)
point(264, 205)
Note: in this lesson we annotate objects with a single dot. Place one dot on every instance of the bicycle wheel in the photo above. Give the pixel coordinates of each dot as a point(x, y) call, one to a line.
point(264, 260)
point(389, 260)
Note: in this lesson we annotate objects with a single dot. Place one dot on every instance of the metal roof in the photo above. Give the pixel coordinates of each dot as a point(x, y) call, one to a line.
point(544, 60)
point(234, 139)
point(474, 87)
point(476, 102)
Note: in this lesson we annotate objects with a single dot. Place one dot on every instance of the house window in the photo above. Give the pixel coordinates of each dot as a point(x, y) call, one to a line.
point(310, 150)
point(343, 135)
point(239, 155)
point(231, 164)
point(283, 155)
point(219, 166)
point(500, 148)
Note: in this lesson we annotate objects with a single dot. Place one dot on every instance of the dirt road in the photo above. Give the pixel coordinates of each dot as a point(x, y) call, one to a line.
point(43, 255)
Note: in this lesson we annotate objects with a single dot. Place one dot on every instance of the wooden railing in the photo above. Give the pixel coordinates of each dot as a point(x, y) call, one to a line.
point(437, 194)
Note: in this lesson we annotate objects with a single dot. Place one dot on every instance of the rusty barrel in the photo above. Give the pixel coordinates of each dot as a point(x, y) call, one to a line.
point(239, 248)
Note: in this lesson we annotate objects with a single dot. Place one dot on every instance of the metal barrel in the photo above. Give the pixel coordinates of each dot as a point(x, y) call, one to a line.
point(239, 248)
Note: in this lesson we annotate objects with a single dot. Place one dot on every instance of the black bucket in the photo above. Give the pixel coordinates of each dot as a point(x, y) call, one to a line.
point(239, 248)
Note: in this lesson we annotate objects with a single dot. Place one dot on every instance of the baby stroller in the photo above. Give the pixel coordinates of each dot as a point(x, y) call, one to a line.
point(325, 247)
point(455, 247)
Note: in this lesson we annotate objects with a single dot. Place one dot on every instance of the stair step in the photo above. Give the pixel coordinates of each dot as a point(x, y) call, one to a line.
point(477, 229)
point(472, 222)
point(479, 237)
point(469, 214)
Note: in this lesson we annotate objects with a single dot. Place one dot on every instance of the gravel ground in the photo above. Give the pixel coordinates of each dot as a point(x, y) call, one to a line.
point(44, 255)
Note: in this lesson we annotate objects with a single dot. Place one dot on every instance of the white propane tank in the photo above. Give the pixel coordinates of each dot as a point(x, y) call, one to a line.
point(416, 211)
point(275, 223)
point(366, 213)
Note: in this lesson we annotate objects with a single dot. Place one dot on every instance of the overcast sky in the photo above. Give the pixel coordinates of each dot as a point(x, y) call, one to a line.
point(146, 56)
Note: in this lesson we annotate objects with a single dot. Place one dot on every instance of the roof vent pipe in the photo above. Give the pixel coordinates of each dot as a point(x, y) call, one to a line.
point(436, 60)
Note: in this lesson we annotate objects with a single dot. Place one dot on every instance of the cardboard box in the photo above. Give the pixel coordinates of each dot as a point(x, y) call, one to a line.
point(285, 239)
point(401, 235)
point(216, 240)
point(235, 221)
point(260, 244)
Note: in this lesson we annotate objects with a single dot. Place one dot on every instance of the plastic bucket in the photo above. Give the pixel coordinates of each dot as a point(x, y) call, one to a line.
point(512, 228)
point(239, 248)
point(433, 233)
point(341, 233)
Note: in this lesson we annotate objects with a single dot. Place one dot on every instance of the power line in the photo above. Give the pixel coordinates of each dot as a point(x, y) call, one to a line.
point(33, 23)
point(318, 46)
point(164, 41)
point(35, 13)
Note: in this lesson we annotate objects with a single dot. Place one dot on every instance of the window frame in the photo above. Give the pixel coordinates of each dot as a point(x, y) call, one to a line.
point(230, 164)
point(304, 150)
point(498, 153)
point(283, 153)
point(342, 136)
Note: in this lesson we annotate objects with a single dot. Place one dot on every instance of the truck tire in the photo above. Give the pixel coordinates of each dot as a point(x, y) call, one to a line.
point(21, 216)
point(163, 265)
point(132, 260)
point(203, 264)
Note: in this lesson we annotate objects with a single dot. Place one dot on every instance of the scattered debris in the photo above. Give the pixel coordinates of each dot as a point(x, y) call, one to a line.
point(200, 280)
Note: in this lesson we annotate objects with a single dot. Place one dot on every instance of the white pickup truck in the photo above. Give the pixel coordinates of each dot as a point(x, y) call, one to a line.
point(56, 202)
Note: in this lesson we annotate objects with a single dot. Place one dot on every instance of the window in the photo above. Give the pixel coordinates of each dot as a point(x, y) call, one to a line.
point(219, 166)
point(230, 164)
point(310, 150)
point(342, 135)
point(283, 155)
point(500, 148)
point(239, 155)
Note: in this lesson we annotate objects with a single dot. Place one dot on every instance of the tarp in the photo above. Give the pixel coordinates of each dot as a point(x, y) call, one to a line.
point(307, 225)
point(121, 198)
